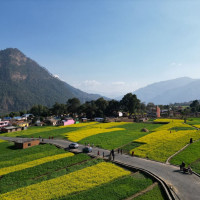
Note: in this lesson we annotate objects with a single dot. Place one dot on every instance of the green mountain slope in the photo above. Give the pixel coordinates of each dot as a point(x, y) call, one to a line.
point(24, 83)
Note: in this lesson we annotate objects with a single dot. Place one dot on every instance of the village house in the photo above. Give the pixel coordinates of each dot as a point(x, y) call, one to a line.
point(51, 121)
point(4, 123)
point(65, 122)
point(98, 119)
point(84, 119)
point(23, 144)
point(9, 129)
point(20, 123)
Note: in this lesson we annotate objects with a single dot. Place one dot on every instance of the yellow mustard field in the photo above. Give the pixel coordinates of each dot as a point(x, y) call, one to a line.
point(81, 124)
point(74, 182)
point(33, 163)
point(163, 143)
point(93, 129)
point(197, 125)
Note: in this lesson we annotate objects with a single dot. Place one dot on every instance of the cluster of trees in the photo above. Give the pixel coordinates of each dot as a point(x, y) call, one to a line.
point(195, 106)
point(90, 109)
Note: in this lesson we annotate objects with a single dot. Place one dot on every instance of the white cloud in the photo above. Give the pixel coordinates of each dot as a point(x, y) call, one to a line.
point(175, 64)
point(109, 89)
point(92, 83)
point(118, 83)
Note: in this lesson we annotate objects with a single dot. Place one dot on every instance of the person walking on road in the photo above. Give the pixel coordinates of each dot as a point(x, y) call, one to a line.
point(113, 154)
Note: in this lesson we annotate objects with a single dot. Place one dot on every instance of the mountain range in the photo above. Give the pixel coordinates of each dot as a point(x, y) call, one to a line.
point(24, 83)
point(178, 90)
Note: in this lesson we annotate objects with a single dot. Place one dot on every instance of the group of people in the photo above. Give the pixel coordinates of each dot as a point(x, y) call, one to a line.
point(184, 169)
point(119, 151)
point(112, 153)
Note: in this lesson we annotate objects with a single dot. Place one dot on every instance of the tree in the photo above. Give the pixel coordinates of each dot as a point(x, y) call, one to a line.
point(130, 103)
point(90, 109)
point(112, 108)
point(101, 105)
point(73, 105)
point(194, 106)
point(40, 110)
point(59, 109)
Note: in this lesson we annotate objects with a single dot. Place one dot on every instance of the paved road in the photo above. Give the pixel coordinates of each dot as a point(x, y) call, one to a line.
point(187, 187)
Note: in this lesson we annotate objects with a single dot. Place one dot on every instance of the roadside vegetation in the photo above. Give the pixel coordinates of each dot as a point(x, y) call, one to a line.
point(190, 155)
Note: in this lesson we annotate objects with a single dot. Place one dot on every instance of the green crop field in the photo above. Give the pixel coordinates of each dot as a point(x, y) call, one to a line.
point(116, 139)
point(18, 182)
point(153, 194)
point(193, 121)
point(44, 132)
point(190, 155)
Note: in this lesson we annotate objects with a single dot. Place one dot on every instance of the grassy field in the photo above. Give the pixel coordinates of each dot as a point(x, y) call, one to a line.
point(190, 155)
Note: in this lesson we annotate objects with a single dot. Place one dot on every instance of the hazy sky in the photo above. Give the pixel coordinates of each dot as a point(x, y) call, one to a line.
point(103, 46)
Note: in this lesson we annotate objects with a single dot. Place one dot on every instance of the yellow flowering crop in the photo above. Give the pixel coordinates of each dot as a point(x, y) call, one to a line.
point(197, 125)
point(77, 181)
point(33, 163)
point(2, 141)
point(172, 123)
point(82, 124)
point(163, 143)
point(93, 129)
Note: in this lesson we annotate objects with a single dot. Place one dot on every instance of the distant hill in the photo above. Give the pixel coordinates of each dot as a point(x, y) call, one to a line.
point(24, 83)
point(172, 91)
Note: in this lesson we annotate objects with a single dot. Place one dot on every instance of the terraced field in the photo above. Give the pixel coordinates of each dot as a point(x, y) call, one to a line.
point(62, 175)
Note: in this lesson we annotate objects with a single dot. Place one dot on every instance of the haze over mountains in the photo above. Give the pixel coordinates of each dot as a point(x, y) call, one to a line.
point(24, 83)
point(172, 91)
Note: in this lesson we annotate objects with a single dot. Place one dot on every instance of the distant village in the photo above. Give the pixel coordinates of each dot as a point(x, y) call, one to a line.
point(20, 123)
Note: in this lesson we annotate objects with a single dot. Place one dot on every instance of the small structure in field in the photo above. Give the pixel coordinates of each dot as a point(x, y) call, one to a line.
point(23, 144)
point(9, 129)
point(145, 130)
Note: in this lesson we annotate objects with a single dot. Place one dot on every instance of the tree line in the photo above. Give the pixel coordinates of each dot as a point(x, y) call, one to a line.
point(90, 109)
point(103, 108)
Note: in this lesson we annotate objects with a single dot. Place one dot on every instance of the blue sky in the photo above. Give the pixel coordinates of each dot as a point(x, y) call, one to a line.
point(103, 46)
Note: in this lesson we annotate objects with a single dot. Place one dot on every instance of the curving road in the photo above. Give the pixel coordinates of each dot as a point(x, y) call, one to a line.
point(186, 187)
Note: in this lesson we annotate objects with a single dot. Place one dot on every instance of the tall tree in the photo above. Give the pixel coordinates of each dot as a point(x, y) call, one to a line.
point(73, 105)
point(112, 108)
point(39, 110)
point(194, 106)
point(101, 104)
point(130, 103)
point(59, 109)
